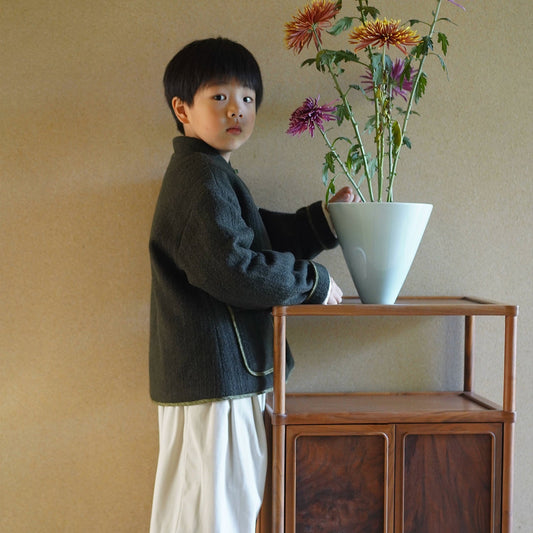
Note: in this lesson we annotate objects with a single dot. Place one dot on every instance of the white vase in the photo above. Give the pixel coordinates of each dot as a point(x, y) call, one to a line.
point(379, 241)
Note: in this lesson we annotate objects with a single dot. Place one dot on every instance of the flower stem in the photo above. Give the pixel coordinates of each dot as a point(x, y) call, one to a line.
point(411, 101)
point(355, 127)
point(342, 164)
point(361, 10)
point(381, 121)
point(391, 144)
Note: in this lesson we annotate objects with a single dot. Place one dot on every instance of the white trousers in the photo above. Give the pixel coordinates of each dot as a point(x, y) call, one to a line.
point(211, 468)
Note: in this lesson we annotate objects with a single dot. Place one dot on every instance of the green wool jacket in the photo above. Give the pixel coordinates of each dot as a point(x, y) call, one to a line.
point(219, 264)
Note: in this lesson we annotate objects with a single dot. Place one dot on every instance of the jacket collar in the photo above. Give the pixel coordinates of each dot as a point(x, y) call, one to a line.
point(192, 144)
point(186, 145)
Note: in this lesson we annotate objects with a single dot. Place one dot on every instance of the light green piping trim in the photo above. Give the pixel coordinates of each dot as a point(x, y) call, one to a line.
point(210, 400)
point(315, 284)
point(241, 348)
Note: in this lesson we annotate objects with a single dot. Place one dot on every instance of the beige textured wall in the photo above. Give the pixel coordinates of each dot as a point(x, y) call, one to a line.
point(85, 139)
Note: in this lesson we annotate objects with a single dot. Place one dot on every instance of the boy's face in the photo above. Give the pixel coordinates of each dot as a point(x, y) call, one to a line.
point(222, 115)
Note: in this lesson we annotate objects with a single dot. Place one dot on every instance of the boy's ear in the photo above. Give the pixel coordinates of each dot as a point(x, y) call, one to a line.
point(180, 109)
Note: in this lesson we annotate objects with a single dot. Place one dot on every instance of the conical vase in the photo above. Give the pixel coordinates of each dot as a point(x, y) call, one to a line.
point(379, 242)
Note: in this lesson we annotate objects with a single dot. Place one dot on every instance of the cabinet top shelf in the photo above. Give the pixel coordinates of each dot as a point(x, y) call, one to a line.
point(404, 306)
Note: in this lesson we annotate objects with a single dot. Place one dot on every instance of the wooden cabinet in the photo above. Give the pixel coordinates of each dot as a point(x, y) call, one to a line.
point(392, 462)
point(339, 478)
point(448, 477)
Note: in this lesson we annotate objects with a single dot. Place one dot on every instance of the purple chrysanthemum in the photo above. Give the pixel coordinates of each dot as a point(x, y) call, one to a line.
point(400, 87)
point(309, 116)
point(456, 4)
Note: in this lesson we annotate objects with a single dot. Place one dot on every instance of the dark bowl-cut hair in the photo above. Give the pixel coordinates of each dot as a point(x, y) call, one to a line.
point(210, 60)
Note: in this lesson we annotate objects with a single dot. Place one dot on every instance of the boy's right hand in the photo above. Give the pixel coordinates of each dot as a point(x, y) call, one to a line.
point(335, 293)
point(346, 195)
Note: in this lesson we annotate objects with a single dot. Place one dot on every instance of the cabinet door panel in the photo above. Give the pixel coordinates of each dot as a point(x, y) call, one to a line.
point(339, 479)
point(448, 478)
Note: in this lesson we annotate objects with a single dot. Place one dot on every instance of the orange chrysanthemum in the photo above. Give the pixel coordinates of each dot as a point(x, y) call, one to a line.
point(382, 33)
point(308, 24)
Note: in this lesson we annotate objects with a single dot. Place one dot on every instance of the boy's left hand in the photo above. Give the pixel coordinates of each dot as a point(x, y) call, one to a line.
point(335, 293)
point(345, 194)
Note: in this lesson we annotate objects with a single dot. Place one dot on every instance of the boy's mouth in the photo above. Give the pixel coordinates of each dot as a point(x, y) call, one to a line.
point(235, 130)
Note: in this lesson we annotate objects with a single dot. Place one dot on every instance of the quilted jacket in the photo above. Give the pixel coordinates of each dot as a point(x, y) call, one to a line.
point(219, 264)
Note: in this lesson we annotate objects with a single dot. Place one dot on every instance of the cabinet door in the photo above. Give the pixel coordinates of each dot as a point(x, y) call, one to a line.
point(448, 478)
point(339, 479)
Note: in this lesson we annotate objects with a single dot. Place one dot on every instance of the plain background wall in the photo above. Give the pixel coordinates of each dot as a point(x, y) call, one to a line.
point(86, 137)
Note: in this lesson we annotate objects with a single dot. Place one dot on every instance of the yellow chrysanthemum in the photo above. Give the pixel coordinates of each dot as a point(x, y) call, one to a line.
point(382, 33)
point(308, 24)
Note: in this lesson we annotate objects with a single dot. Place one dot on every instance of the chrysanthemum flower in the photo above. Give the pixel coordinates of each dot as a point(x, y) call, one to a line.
point(456, 4)
point(382, 33)
point(309, 116)
point(308, 24)
point(399, 87)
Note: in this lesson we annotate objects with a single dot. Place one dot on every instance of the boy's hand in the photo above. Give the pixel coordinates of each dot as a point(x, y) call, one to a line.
point(335, 294)
point(345, 194)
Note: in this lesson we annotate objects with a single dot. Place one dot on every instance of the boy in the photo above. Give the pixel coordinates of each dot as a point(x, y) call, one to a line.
point(218, 266)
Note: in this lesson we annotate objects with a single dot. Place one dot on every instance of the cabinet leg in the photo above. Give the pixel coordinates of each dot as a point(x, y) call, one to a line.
point(278, 479)
point(469, 354)
point(507, 478)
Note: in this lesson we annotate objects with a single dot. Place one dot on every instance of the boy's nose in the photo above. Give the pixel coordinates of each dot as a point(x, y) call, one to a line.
point(235, 112)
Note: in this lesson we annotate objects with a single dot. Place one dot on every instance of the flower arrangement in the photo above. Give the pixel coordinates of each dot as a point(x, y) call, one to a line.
point(383, 82)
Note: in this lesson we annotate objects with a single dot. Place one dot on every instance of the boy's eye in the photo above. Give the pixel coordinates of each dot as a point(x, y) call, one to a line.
point(219, 97)
point(248, 99)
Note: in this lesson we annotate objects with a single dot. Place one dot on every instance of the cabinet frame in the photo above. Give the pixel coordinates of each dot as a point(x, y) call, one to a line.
point(452, 407)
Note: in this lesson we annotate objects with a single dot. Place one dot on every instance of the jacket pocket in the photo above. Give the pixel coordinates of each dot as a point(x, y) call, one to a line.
point(254, 333)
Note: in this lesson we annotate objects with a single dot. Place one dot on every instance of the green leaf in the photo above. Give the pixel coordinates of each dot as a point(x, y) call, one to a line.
point(341, 25)
point(327, 57)
point(396, 136)
point(377, 68)
point(323, 59)
point(407, 141)
point(446, 19)
point(421, 87)
point(341, 139)
point(342, 113)
point(357, 88)
point(423, 47)
point(325, 171)
point(368, 11)
point(355, 160)
point(370, 126)
point(330, 189)
point(330, 161)
point(353, 153)
point(443, 40)
point(403, 112)
point(329, 166)
point(307, 62)
point(372, 166)
point(442, 63)
point(345, 55)
point(406, 73)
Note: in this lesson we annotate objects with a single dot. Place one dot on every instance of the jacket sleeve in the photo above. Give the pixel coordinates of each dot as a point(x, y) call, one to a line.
point(217, 253)
point(305, 233)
